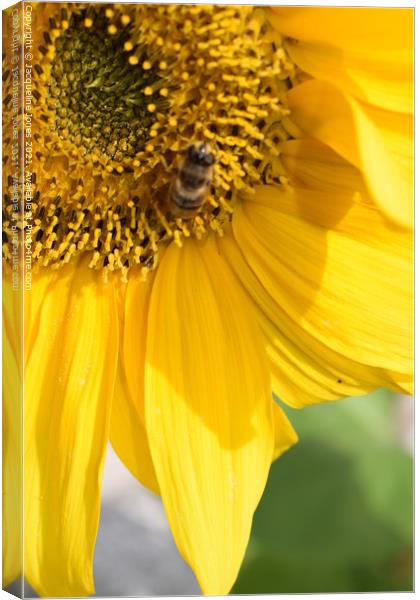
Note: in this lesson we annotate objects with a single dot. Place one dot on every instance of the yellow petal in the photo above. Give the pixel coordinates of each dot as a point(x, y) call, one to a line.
point(404, 383)
point(208, 410)
point(381, 78)
point(128, 434)
point(134, 333)
point(313, 165)
point(33, 301)
point(378, 142)
point(331, 193)
point(68, 389)
point(364, 29)
point(12, 314)
point(12, 442)
point(303, 369)
point(355, 296)
point(284, 434)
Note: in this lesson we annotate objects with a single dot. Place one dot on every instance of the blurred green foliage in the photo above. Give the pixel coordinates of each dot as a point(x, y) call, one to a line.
point(336, 515)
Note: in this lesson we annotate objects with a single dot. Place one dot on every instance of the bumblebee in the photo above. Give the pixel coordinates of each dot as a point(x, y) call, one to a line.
point(191, 183)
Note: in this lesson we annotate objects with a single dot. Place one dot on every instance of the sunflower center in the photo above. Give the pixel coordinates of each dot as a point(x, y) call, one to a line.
point(94, 90)
point(120, 93)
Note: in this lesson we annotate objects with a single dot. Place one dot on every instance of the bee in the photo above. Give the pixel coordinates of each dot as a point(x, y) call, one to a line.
point(191, 183)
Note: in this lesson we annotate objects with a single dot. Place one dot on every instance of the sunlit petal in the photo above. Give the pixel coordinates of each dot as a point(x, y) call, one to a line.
point(378, 142)
point(366, 29)
point(68, 389)
point(208, 410)
point(336, 286)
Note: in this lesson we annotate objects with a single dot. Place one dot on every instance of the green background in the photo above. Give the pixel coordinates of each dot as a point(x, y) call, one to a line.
point(336, 515)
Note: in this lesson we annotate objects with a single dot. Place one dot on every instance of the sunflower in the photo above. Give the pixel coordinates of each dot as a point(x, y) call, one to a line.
point(169, 335)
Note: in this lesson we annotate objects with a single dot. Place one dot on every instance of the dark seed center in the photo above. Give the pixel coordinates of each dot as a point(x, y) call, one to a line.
point(96, 94)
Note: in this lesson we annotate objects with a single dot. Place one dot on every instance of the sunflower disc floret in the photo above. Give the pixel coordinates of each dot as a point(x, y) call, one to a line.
point(119, 93)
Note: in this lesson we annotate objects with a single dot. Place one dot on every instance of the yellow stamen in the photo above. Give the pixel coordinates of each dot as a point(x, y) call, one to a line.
point(129, 118)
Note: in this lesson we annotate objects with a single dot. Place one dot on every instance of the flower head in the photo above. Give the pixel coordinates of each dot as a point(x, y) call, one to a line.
point(117, 102)
point(168, 334)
